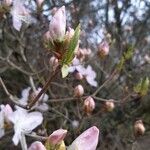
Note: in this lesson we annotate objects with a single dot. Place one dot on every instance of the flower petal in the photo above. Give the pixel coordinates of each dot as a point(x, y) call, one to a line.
point(88, 140)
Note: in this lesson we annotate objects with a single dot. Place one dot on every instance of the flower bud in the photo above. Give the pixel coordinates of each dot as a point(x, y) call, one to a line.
point(139, 128)
point(54, 62)
point(109, 105)
point(78, 76)
point(39, 3)
point(88, 140)
point(7, 2)
point(57, 27)
point(147, 59)
point(78, 91)
point(103, 49)
point(37, 146)
point(89, 105)
point(54, 10)
point(57, 136)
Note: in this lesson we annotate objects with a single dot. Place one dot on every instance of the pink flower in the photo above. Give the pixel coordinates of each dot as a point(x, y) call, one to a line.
point(7, 2)
point(37, 146)
point(57, 27)
point(57, 136)
point(88, 140)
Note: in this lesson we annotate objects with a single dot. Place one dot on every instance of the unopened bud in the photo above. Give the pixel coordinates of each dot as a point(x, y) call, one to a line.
point(57, 136)
point(57, 27)
point(147, 59)
point(139, 128)
point(37, 146)
point(89, 105)
point(54, 10)
point(7, 2)
point(103, 49)
point(39, 3)
point(54, 62)
point(78, 76)
point(109, 105)
point(78, 91)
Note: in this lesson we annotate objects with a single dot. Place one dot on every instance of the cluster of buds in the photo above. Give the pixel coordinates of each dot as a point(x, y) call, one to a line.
point(78, 91)
point(87, 140)
point(103, 49)
point(89, 105)
point(56, 38)
point(139, 128)
point(109, 105)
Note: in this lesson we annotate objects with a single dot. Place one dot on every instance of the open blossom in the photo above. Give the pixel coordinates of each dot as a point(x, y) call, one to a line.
point(20, 14)
point(37, 146)
point(87, 72)
point(24, 122)
point(57, 27)
point(57, 136)
point(41, 103)
point(88, 140)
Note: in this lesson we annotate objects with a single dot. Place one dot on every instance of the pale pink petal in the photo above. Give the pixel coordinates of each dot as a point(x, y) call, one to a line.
point(37, 146)
point(88, 140)
point(57, 136)
point(57, 25)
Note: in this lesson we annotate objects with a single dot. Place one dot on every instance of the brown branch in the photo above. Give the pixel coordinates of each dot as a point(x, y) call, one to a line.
point(30, 105)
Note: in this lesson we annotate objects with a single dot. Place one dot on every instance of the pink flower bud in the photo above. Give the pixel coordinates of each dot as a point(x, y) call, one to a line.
point(57, 136)
point(78, 91)
point(54, 10)
point(39, 3)
point(103, 49)
point(69, 34)
point(57, 27)
point(78, 76)
point(88, 140)
point(109, 105)
point(89, 105)
point(37, 146)
point(7, 2)
point(139, 128)
point(54, 62)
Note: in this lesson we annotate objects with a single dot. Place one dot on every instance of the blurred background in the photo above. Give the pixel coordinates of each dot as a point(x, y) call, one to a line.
point(122, 23)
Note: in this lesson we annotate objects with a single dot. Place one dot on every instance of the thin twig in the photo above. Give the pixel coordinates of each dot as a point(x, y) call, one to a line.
point(30, 105)
point(33, 135)
point(104, 84)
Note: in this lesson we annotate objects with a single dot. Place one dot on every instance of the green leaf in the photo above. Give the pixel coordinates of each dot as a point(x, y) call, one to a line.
point(121, 64)
point(137, 87)
point(69, 54)
point(128, 54)
point(142, 87)
point(145, 87)
point(65, 70)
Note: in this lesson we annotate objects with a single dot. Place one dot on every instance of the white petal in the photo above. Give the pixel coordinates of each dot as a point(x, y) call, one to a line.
point(91, 81)
point(16, 137)
point(17, 23)
point(32, 120)
point(42, 107)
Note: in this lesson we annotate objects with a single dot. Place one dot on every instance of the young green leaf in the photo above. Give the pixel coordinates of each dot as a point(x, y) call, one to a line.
point(69, 54)
point(64, 70)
